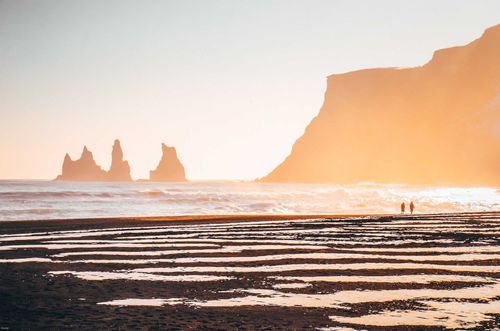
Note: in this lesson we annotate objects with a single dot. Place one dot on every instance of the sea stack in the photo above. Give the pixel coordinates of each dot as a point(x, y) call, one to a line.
point(83, 169)
point(170, 169)
point(119, 170)
point(434, 124)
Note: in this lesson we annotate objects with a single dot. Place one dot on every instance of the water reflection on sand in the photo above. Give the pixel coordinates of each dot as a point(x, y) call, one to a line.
point(444, 268)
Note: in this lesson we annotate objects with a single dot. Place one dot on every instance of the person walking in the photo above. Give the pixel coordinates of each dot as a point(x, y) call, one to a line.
point(402, 207)
point(412, 207)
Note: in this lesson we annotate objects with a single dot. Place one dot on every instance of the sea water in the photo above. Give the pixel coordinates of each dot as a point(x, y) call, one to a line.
point(29, 200)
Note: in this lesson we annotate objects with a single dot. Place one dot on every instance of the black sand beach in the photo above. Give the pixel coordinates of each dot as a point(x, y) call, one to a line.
point(252, 272)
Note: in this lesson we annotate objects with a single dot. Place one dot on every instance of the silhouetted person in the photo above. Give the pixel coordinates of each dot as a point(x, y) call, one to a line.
point(402, 207)
point(412, 206)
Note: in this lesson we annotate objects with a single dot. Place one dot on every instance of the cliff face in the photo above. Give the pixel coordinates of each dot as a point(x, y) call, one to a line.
point(434, 124)
point(119, 170)
point(170, 169)
point(85, 168)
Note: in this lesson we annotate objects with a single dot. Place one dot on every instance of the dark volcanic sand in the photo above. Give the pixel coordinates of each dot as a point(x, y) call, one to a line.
point(31, 298)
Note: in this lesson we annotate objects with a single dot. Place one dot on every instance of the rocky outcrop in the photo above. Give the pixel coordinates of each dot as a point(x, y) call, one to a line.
point(83, 169)
point(119, 170)
point(170, 169)
point(434, 124)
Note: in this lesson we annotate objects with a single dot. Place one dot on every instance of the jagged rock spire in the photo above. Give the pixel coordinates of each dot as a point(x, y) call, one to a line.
point(85, 168)
point(170, 169)
point(119, 170)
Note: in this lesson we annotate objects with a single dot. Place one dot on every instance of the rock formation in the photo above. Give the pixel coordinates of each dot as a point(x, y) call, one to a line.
point(170, 169)
point(119, 170)
point(85, 168)
point(434, 124)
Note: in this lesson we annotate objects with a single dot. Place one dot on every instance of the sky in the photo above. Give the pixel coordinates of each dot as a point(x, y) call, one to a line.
point(230, 84)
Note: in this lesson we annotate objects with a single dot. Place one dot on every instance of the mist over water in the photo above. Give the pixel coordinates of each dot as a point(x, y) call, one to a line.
point(27, 200)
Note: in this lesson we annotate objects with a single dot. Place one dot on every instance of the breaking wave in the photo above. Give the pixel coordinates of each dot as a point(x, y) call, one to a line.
point(21, 200)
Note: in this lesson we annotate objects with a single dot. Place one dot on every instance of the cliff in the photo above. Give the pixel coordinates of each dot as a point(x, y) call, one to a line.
point(434, 124)
point(170, 169)
point(85, 168)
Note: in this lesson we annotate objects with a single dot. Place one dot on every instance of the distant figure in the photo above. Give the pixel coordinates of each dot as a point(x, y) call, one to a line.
point(412, 206)
point(402, 207)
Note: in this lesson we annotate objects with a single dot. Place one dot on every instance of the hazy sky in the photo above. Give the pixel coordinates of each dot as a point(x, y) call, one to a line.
point(231, 84)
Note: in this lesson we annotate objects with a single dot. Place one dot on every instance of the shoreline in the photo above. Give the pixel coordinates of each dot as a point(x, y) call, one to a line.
point(222, 217)
point(106, 222)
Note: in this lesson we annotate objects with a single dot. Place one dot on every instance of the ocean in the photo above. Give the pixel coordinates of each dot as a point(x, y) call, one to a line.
point(34, 200)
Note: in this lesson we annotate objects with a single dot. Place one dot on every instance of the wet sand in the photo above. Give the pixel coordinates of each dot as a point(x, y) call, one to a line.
point(378, 272)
